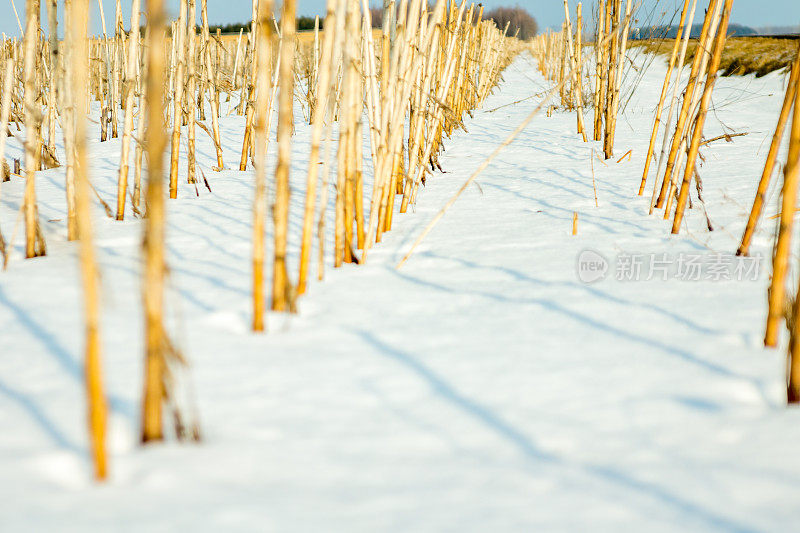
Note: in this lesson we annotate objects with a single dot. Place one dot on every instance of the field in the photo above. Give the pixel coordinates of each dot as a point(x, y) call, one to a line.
point(742, 55)
point(517, 306)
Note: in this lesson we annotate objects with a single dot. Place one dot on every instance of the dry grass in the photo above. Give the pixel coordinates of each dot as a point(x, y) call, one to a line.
point(742, 55)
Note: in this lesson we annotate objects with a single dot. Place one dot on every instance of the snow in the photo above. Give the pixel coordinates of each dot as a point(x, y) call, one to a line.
point(482, 387)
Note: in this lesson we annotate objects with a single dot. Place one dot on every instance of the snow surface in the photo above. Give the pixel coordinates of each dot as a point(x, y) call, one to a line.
point(482, 387)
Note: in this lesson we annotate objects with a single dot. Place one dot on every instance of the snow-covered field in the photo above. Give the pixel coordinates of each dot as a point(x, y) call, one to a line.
point(482, 387)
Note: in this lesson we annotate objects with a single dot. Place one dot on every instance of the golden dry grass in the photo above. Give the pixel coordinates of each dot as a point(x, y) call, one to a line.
point(742, 55)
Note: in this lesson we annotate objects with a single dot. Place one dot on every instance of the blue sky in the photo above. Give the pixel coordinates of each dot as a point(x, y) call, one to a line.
point(754, 13)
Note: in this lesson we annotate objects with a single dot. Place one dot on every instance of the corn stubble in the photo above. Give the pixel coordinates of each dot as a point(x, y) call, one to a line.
point(386, 100)
point(782, 307)
point(561, 59)
point(431, 66)
point(97, 409)
point(684, 137)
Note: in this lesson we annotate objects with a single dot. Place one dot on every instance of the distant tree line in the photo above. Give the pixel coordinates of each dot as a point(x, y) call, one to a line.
point(670, 32)
point(517, 18)
point(303, 23)
point(779, 30)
